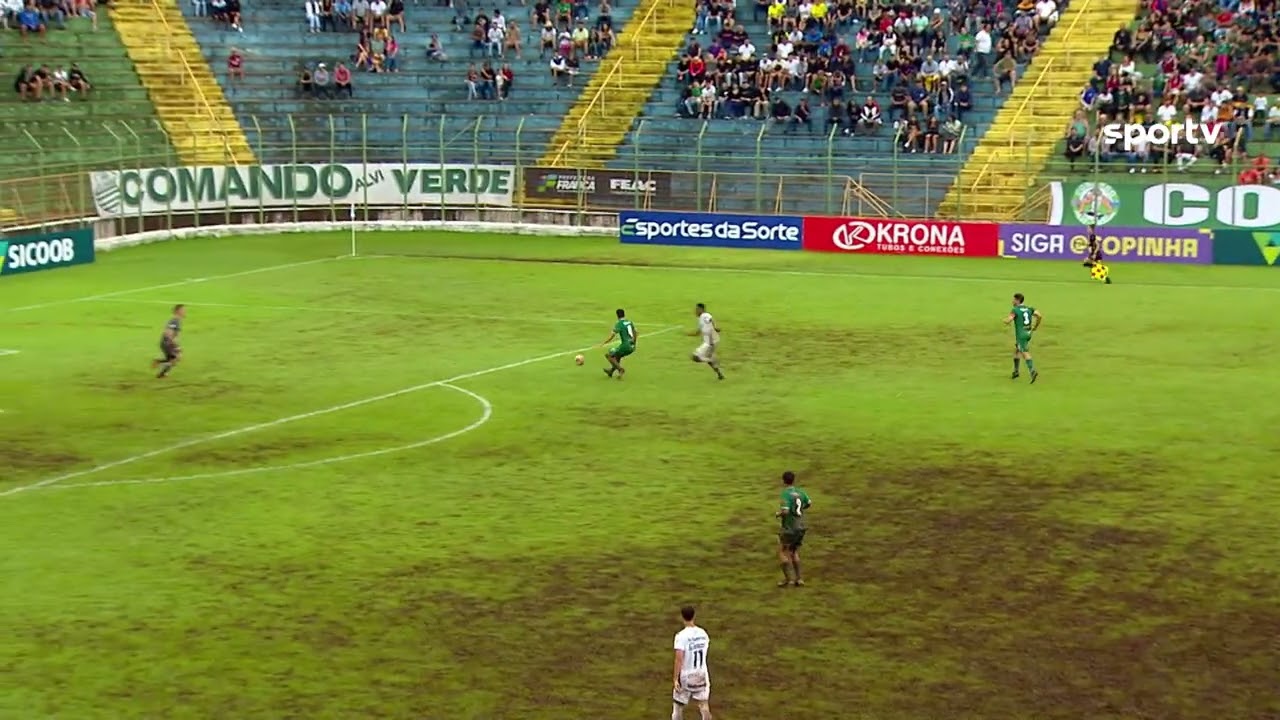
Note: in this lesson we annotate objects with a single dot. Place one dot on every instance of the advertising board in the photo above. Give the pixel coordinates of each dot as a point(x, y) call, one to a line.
point(608, 188)
point(766, 232)
point(30, 253)
point(1238, 247)
point(1154, 245)
point(1135, 203)
point(153, 191)
point(892, 236)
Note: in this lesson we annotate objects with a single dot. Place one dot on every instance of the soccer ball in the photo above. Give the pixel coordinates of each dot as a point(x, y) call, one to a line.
point(579, 359)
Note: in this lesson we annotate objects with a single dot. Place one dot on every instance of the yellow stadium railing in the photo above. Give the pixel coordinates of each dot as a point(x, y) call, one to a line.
point(203, 106)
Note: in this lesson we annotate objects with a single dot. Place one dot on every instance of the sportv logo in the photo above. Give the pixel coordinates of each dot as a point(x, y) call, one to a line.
point(890, 236)
point(1137, 136)
point(746, 230)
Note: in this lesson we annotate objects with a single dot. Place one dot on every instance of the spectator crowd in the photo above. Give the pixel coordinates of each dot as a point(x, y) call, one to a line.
point(1212, 63)
point(35, 83)
point(842, 59)
point(32, 17)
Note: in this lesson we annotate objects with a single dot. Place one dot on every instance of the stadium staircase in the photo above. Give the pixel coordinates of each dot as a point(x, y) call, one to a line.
point(597, 124)
point(421, 113)
point(186, 96)
point(52, 144)
point(1015, 150)
point(752, 167)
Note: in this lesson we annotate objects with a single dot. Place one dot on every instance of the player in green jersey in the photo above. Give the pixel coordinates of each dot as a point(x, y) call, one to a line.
point(795, 503)
point(625, 331)
point(1025, 320)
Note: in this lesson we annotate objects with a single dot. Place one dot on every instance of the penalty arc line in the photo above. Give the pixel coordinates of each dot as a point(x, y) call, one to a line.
point(179, 283)
point(300, 416)
point(485, 414)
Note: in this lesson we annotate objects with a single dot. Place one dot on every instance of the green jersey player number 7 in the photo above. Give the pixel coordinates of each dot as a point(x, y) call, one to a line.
point(1025, 320)
point(625, 332)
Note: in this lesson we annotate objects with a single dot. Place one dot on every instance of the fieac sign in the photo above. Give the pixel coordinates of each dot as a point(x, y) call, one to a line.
point(885, 236)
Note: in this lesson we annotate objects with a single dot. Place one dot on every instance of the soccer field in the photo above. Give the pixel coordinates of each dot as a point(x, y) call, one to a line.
point(379, 487)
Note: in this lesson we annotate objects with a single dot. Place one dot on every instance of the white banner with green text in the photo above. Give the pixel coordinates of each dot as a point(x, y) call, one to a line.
point(154, 191)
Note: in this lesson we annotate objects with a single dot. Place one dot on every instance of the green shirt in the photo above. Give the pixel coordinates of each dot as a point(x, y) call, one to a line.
point(1022, 315)
point(794, 504)
point(626, 332)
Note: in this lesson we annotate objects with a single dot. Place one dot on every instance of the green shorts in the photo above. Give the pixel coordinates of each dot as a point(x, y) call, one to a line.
point(791, 539)
point(621, 351)
point(1022, 343)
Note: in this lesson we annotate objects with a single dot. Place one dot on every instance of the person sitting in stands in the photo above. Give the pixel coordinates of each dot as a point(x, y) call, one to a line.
point(391, 54)
point(29, 21)
point(342, 80)
point(76, 78)
point(320, 82)
point(305, 87)
point(363, 56)
point(435, 51)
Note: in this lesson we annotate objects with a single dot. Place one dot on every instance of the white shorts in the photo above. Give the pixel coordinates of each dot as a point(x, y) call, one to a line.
point(700, 693)
point(705, 352)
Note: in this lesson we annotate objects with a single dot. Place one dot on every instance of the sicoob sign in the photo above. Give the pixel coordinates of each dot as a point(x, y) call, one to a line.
point(883, 236)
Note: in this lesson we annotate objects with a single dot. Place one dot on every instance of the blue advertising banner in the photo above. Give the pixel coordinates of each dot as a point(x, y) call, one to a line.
point(29, 253)
point(765, 232)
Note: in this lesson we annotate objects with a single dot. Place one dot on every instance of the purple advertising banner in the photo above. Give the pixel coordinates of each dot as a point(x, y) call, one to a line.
point(1068, 242)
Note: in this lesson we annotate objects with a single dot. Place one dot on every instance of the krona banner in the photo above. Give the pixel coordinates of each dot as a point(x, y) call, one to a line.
point(150, 191)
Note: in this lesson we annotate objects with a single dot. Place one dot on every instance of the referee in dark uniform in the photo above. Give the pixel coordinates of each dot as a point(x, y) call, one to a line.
point(169, 342)
point(1093, 259)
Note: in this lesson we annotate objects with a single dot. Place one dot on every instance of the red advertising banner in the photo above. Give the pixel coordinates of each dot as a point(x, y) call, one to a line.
point(887, 236)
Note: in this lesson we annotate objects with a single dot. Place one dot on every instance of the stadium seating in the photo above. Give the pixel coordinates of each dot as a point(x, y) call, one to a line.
point(1209, 68)
point(57, 141)
point(896, 181)
point(425, 105)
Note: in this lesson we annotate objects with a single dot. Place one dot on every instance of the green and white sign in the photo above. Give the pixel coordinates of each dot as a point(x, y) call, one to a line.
point(30, 253)
point(1181, 204)
point(153, 191)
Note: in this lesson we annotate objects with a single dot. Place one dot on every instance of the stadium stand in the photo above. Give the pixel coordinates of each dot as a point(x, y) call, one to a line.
point(437, 89)
point(54, 139)
point(187, 99)
point(791, 80)
point(1017, 147)
point(1211, 64)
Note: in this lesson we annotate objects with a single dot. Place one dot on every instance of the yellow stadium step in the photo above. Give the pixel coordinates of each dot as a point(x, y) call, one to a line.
point(599, 121)
point(187, 97)
point(1014, 151)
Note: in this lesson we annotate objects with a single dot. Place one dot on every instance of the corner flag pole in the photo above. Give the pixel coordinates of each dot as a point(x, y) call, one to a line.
point(353, 229)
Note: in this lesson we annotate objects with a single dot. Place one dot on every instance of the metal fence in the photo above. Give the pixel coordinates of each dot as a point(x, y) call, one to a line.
point(45, 171)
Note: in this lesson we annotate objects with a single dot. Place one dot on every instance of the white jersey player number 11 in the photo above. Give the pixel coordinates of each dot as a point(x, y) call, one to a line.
point(695, 680)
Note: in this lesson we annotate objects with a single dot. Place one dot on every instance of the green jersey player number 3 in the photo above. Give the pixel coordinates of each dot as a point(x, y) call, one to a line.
point(792, 511)
point(1025, 320)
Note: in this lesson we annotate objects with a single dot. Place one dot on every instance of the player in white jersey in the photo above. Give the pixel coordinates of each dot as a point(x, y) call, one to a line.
point(690, 679)
point(710, 333)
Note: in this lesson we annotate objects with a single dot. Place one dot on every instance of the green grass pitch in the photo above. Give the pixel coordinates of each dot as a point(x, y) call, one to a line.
point(1099, 545)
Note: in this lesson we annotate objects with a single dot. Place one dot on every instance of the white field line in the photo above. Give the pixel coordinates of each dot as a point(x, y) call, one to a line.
point(300, 416)
point(835, 274)
point(179, 283)
point(485, 414)
point(355, 310)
